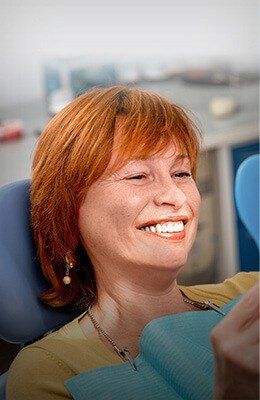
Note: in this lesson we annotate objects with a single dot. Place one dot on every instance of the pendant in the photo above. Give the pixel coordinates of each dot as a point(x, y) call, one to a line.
point(125, 354)
point(213, 307)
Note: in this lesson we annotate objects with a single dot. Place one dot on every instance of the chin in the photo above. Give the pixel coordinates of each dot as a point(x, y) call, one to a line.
point(176, 258)
point(168, 263)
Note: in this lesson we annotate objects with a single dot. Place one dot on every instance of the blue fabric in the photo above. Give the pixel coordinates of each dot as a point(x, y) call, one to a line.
point(23, 316)
point(175, 362)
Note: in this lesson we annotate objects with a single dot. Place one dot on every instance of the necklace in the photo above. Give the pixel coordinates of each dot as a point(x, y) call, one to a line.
point(124, 353)
point(206, 305)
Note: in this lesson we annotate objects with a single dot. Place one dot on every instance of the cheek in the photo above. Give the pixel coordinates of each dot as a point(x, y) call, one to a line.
point(194, 200)
point(90, 217)
point(93, 229)
point(105, 215)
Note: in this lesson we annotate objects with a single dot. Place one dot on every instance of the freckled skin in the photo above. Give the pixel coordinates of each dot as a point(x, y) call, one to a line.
point(136, 271)
point(115, 205)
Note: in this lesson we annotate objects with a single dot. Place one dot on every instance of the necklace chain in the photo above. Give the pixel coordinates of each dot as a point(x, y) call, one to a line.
point(196, 304)
point(101, 330)
point(124, 353)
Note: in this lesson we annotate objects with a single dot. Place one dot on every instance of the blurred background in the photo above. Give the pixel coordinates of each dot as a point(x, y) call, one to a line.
point(201, 55)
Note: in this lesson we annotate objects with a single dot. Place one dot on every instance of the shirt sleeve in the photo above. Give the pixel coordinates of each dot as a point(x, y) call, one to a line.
point(37, 374)
point(222, 293)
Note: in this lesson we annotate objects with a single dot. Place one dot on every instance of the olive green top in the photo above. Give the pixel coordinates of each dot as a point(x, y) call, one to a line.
point(40, 369)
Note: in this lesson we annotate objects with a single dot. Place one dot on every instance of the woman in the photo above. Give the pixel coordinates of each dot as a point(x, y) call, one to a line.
point(114, 212)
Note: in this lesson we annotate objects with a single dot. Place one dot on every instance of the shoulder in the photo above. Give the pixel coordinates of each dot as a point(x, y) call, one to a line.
point(222, 293)
point(40, 369)
point(242, 281)
point(37, 373)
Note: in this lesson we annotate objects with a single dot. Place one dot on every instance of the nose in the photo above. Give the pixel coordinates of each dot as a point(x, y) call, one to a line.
point(168, 192)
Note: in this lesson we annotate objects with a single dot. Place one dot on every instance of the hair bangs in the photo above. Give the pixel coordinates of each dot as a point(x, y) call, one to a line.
point(151, 125)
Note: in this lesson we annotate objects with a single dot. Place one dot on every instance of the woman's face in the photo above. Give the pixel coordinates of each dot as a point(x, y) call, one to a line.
point(144, 215)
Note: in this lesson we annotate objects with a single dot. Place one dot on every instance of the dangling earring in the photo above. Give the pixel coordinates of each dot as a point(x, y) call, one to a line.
point(67, 278)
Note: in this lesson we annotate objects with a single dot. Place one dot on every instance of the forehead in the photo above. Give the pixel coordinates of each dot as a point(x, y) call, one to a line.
point(129, 146)
point(170, 154)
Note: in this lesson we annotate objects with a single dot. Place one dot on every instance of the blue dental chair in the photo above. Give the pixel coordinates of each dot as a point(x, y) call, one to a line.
point(23, 317)
point(247, 195)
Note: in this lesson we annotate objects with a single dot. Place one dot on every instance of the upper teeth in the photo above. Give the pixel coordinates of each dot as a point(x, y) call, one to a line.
point(177, 226)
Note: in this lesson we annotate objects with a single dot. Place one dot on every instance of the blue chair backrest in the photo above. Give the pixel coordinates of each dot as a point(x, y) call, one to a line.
point(247, 195)
point(24, 318)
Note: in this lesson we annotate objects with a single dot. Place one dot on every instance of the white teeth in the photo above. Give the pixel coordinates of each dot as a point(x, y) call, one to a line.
point(158, 228)
point(169, 227)
point(164, 228)
point(176, 226)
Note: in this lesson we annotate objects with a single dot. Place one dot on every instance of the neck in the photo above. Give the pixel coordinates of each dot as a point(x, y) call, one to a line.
point(134, 305)
point(124, 306)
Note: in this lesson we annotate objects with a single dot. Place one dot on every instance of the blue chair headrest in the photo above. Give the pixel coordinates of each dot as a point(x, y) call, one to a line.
point(23, 316)
point(247, 194)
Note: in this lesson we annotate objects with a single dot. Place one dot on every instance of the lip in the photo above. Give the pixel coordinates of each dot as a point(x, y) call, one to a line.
point(183, 218)
point(173, 236)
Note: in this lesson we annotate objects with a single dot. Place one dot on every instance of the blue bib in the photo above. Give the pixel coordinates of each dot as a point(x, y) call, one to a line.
point(176, 361)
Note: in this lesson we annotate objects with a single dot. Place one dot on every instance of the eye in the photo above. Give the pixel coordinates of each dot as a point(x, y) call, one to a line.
point(137, 177)
point(182, 175)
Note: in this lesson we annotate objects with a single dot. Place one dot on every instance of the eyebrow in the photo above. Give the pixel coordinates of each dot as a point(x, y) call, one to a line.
point(175, 159)
point(184, 158)
point(178, 157)
point(181, 157)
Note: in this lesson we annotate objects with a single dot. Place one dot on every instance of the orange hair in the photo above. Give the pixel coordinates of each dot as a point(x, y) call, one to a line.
point(73, 152)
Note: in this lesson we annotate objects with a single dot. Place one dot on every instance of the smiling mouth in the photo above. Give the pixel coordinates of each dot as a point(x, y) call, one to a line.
point(173, 230)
